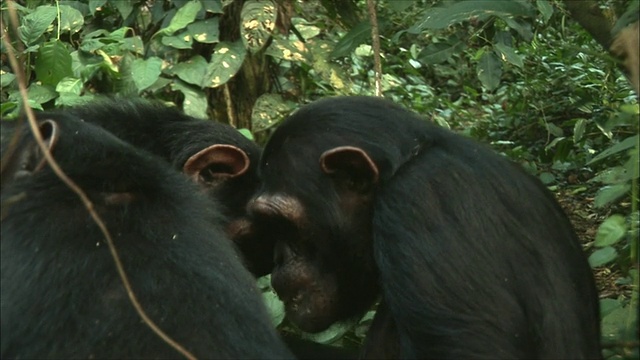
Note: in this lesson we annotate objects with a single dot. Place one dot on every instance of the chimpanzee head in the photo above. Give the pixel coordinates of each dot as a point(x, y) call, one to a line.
point(320, 179)
point(324, 267)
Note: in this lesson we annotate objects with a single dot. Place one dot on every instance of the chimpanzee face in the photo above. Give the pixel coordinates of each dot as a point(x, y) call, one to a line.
point(321, 221)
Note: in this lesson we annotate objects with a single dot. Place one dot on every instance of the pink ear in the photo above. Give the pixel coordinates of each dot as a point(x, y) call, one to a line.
point(50, 133)
point(216, 162)
point(352, 160)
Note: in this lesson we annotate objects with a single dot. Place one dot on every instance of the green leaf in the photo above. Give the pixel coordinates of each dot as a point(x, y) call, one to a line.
point(456, 12)
point(94, 5)
point(225, 62)
point(507, 53)
point(53, 63)
point(70, 99)
point(269, 110)
point(6, 78)
point(195, 100)
point(205, 31)
point(547, 178)
point(356, 36)
point(334, 332)
point(246, 134)
point(36, 23)
point(213, 6)
point(545, 8)
point(287, 50)
point(607, 306)
point(146, 72)
point(609, 194)
point(70, 19)
point(180, 41)
point(183, 17)
point(489, 71)
point(39, 94)
point(133, 44)
point(275, 306)
point(191, 71)
point(436, 53)
point(625, 144)
point(616, 175)
point(70, 85)
point(611, 231)
point(523, 28)
point(125, 7)
point(602, 256)
point(554, 130)
point(578, 129)
point(399, 5)
point(258, 20)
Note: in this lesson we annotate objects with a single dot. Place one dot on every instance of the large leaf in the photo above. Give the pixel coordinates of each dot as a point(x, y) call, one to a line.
point(53, 63)
point(456, 12)
point(183, 17)
point(609, 194)
point(436, 53)
point(125, 7)
point(36, 23)
point(545, 8)
point(213, 6)
point(602, 256)
point(183, 40)
point(290, 50)
point(225, 62)
point(195, 100)
point(612, 230)
point(205, 31)
point(351, 40)
point(39, 94)
point(489, 71)
point(70, 85)
point(625, 144)
point(268, 110)
point(70, 19)
point(509, 55)
point(191, 71)
point(258, 19)
point(94, 5)
point(146, 72)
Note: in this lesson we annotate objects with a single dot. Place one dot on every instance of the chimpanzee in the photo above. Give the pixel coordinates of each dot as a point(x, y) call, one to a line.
point(61, 295)
point(472, 257)
point(214, 155)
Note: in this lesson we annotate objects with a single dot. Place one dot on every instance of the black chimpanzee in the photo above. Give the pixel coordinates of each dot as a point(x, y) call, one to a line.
point(473, 257)
point(214, 155)
point(61, 295)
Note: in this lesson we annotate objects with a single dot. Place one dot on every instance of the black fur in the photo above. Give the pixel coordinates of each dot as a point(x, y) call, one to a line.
point(61, 296)
point(472, 256)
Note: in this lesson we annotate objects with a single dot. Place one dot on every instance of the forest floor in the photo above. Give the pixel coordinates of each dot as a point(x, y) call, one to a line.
point(586, 219)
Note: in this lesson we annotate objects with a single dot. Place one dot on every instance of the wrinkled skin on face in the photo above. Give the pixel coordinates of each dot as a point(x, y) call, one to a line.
point(324, 269)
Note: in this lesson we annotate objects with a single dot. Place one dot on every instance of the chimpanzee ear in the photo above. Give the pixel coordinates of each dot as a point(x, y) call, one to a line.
point(216, 163)
point(352, 162)
point(28, 159)
point(50, 132)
